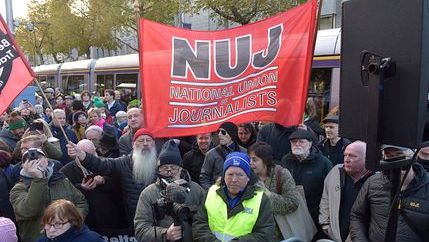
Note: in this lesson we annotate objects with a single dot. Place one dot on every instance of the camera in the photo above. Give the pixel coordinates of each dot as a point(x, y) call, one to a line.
point(36, 126)
point(33, 154)
point(171, 203)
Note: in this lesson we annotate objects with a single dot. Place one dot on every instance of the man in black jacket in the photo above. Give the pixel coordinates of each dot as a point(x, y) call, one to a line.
point(136, 170)
point(333, 146)
point(370, 212)
point(308, 168)
point(193, 160)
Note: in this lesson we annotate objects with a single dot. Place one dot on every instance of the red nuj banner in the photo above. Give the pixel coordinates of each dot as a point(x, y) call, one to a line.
point(15, 73)
point(195, 80)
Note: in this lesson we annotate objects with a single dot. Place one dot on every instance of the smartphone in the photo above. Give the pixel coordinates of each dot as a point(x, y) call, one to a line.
point(36, 126)
point(89, 177)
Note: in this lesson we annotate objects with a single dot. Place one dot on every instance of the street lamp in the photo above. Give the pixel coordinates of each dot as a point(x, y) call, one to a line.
point(32, 27)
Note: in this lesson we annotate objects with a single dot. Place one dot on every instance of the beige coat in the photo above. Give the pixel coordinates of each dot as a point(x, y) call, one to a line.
point(330, 204)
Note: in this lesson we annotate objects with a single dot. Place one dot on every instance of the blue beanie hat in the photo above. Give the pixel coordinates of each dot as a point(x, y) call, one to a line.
point(237, 159)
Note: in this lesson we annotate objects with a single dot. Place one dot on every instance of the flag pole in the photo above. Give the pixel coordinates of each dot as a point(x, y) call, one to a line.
point(78, 163)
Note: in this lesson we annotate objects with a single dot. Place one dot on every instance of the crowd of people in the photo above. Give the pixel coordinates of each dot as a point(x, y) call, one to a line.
point(84, 168)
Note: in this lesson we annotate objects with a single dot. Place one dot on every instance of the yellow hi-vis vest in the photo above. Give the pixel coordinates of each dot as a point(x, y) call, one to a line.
point(224, 228)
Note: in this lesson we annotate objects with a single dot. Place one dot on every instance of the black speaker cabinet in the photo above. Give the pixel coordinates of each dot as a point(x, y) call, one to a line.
point(398, 29)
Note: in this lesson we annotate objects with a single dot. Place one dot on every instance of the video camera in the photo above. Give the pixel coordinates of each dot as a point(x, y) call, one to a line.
point(171, 203)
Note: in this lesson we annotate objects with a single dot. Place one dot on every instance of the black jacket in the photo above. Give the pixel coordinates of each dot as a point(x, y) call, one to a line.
point(115, 108)
point(6, 209)
point(57, 133)
point(278, 137)
point(310, 173)
point(334, 154)
point(106, 208)
point(193, 161)
point(369, 215)
point(123, 168)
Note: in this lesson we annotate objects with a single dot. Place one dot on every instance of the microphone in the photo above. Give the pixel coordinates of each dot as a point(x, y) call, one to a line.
point(175, 193)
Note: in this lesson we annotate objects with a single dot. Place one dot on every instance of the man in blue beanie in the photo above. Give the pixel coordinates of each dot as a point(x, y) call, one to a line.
point(211, 169)
point(235, 209)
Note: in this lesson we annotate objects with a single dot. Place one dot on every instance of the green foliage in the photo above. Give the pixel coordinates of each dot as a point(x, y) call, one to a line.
point(244, 11)
point(58, 26)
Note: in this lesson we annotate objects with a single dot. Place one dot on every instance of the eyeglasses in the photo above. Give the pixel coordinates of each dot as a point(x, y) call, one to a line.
point(168, 168)
point(222, 132)
point(56, 225)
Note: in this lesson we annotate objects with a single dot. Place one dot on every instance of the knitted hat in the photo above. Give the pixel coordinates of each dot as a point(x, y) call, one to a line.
point(108, 141)
point(237, 159)
point(16, 123)
point(170, 154)
point(98, 103)
point(330, 119)
point(301, 134)
point(231, 128)
point(141, 132)
point(7, 230)
point(94, 128)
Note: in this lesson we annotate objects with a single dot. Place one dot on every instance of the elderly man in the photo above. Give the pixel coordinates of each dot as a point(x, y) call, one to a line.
point(309, 168)
point(136, 170)
point(40, 184)
point(341, 186)
point(153, 222)
point(94, 133)
point(333, 146)
point(211, 169)
point(235, 209)
point(135, 122)
point(58, 121)
point(371, 211)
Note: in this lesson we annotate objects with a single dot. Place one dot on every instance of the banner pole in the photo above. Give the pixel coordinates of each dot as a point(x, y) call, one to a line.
point(139, 42)
point(84, 170)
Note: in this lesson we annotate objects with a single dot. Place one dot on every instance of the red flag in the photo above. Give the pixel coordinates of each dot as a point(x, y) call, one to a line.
point(15, 72)
point(195, 80)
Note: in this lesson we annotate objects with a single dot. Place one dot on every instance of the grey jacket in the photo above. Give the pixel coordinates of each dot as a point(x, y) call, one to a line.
point(213, 166)
point(370, 212)
point(147, 227)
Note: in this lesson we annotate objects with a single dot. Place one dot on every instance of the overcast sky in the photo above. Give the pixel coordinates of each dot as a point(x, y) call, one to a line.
point(19, 8)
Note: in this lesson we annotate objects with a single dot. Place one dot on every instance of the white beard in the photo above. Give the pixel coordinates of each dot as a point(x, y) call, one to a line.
point(300, 153)
point(144, 166)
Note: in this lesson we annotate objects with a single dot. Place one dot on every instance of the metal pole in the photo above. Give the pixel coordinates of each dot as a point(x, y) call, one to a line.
point(9, 16)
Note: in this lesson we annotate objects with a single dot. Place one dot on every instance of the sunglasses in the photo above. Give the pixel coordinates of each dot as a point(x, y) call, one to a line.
point(221, 131)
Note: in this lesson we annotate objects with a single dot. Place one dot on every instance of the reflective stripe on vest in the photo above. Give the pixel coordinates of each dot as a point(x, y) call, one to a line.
point(240, 224)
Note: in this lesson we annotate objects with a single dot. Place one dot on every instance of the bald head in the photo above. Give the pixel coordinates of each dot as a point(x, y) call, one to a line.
point(87, 146)
point(354, 159)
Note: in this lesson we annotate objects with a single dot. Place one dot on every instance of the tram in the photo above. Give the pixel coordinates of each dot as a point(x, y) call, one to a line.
point(122, 72)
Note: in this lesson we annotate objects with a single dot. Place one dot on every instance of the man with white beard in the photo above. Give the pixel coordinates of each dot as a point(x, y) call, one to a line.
point(136, 170)
point(309, 168)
